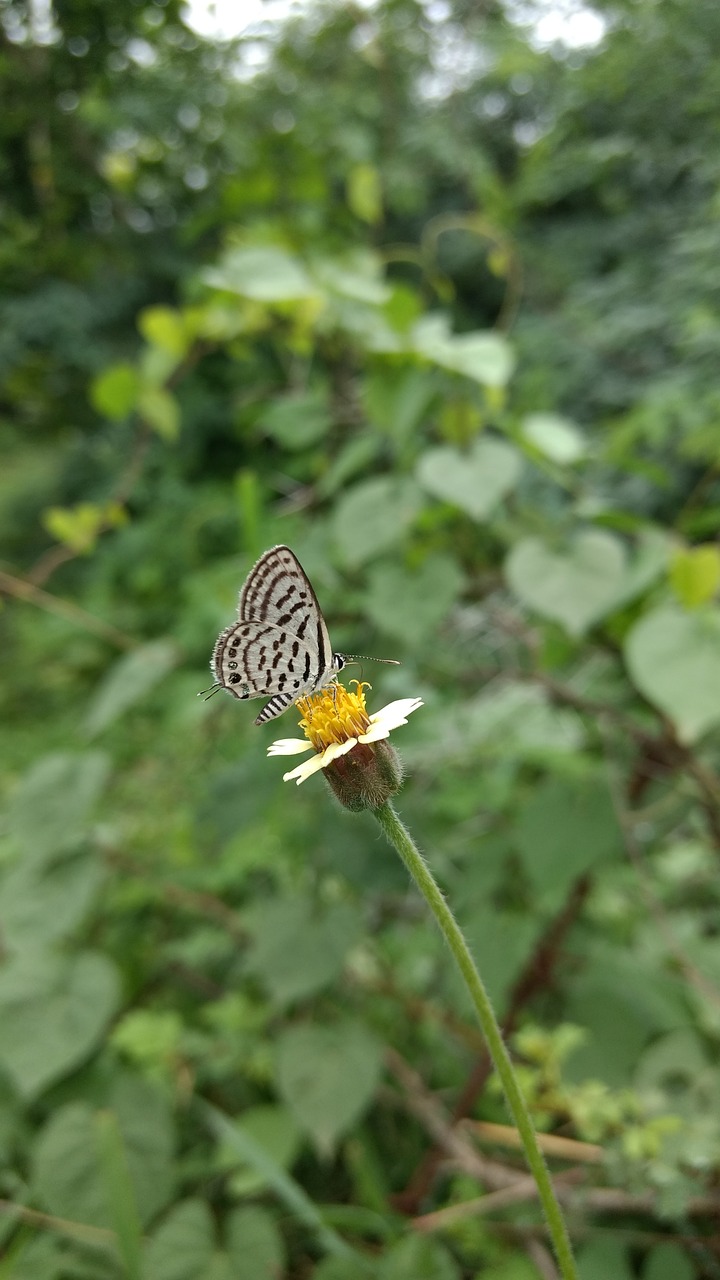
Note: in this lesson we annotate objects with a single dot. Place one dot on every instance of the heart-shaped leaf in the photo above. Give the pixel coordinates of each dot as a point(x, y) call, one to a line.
point(67, 1164)
point(555, 437)
point(255, 1245)
point(51, 807)
point(373, 517)
point(475, 479)
point(53, 1012)
point(674, 659)
point(128, 681)
point(182, 1246)
point(575, 587)
point(402, 604)
point(484, 357)
point(297, 950)
point(695, 575)
point(327, 1076)
point(265, 273)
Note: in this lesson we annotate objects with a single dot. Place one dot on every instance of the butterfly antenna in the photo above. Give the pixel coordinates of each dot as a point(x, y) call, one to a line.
point(214, 688)
point(364, 657)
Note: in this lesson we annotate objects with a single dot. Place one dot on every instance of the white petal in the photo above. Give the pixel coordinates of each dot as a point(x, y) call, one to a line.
point(289, 747)
point(309, 767)
point(377, 732)
point(395, 713)
point(337, 749)
point(304, 770)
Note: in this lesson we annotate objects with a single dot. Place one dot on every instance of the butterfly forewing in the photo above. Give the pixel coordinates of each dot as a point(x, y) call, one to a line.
point(279, 647)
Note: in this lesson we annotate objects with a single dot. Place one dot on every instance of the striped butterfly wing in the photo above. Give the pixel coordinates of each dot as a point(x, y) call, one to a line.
point(279, 647)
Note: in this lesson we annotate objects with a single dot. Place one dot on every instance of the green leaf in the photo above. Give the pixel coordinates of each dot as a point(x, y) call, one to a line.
point(416, 1256)
point(114, 393)
point(576, 587)
point(475, 480)
point(398, 400)
point(327, 1076)
point(160, 410)
point(77, 527)
point(263, 273)
point(623, 1003)
point(50, 809)
point(668, 1262)
point(555, 437)
point(40, 904)
point(356, 277)
point(272, 1128)
point(129, 679)
point(648, 563)
point(564, 828)
point(344, 1269)
point(373, 517)
point(255, 1245)
point(249, 502)
point(39, 1258)
point(604, 1259)
point(355, 456)
point(297, 421)
point(402, 603)
point(484, 357)
point(516, 721)
point(53, 1012)
point(120, 1193)
point(67, 1172)
point(164, 328)
point(156, 365)
point(679, 1055)
point(695, 575)
point(364, 193)
point(289, 1191)
point(181, 1248)
point(299, 949)
point(674, 659)
point(149, 1037)
point(501, 942)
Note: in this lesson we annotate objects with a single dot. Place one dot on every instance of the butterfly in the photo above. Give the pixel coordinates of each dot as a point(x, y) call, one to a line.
point(279, 647)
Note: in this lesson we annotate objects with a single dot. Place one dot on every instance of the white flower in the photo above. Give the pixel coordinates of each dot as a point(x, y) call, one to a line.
point(331, 721)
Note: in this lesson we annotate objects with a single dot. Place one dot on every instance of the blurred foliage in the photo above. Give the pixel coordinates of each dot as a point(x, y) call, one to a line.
point(436, 305)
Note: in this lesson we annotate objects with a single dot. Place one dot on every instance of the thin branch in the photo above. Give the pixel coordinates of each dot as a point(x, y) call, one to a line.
point(51, 560)
point(64, 1226)
point(418, 1099)
point(594, 1200)
point(22, 589)
point(552, 1144)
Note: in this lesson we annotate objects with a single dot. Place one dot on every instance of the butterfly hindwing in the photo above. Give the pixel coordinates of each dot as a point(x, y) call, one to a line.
point(256, 659)
point(279, 647)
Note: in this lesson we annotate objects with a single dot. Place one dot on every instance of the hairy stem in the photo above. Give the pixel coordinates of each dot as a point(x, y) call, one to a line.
point(401, 840)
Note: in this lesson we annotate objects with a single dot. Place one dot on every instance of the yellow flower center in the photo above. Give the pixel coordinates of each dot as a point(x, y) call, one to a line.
point(334, 714)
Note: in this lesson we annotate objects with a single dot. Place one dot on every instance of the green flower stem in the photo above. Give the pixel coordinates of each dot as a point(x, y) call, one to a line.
point(400, 838)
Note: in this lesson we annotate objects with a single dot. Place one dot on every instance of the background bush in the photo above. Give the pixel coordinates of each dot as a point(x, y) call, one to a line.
point(436, 304)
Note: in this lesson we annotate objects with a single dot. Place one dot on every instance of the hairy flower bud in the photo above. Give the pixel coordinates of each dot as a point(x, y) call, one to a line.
point(366, 776)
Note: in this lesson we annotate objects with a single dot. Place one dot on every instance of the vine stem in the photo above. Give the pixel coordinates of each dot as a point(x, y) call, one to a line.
point(402, 841)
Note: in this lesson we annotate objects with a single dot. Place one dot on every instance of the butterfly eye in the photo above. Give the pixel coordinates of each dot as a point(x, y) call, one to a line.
point(338, 661)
